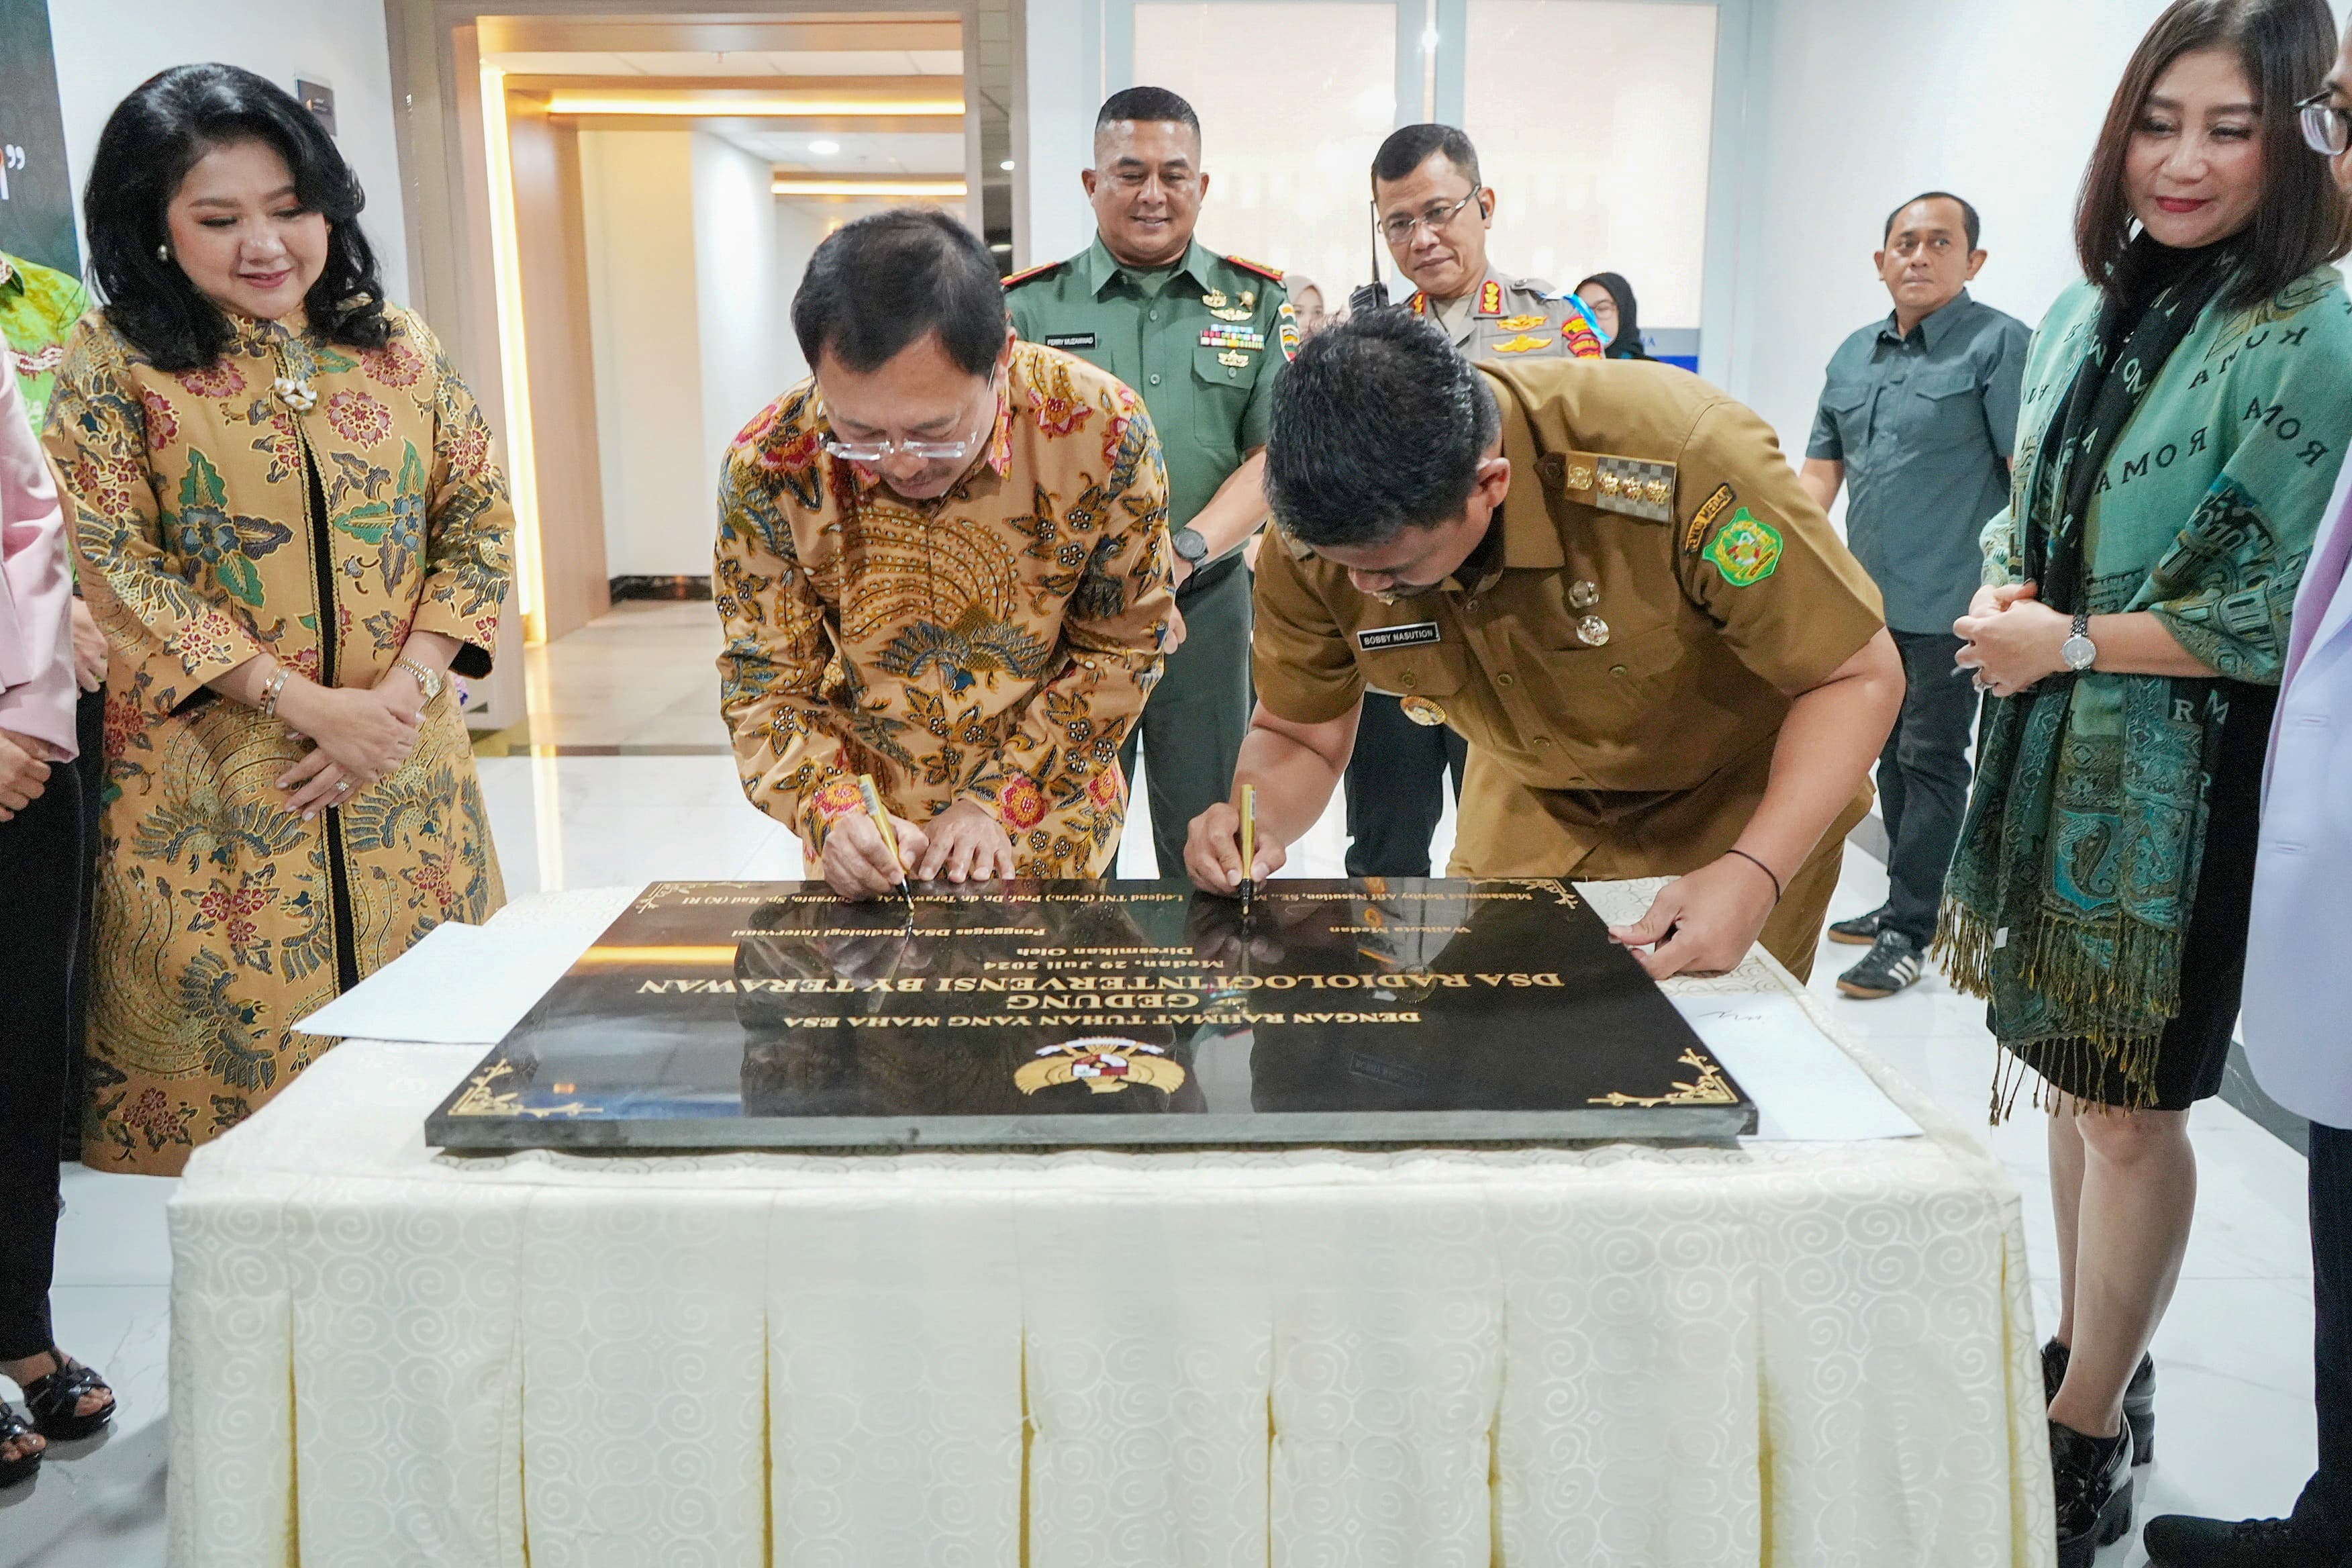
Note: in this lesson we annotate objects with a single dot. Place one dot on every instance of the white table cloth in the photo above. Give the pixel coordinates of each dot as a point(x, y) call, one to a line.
point(1769, 1354)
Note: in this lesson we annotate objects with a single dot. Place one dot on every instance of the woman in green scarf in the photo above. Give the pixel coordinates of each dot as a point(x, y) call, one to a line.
point(2185, 415)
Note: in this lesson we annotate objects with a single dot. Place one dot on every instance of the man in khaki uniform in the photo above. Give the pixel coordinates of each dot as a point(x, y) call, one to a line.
point(1606, 578)
point(1434, 212)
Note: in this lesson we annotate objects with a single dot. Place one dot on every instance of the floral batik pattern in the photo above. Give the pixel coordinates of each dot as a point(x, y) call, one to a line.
point(992, 646)
point(217, 908)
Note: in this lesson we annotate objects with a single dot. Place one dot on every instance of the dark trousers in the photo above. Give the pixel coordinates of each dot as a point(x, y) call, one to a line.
point(41, 859)
point(1195, 720)
point(1396, 788)
point(89, 718)
point(1923, 779)
point(2328, 1500)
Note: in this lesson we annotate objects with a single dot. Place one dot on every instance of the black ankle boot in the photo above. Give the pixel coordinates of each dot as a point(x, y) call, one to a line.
point(2094, 1483)
point(2139, 1396)
point(2183, 1540)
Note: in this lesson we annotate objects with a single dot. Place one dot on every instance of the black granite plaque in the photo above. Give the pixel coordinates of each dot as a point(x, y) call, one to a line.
point(742, 1015)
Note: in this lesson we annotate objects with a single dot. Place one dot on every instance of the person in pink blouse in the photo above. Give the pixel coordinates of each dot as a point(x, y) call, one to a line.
point(41, 853)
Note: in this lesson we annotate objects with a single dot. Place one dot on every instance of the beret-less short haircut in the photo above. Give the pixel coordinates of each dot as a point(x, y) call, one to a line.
point(1409, 148)
point(1149, 104)
point(1379, 426)
point(881, 283)
point(1968, 220)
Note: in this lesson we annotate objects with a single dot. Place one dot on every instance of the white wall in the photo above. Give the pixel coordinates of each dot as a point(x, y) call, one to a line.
point(741, 289)
point(106, 48)
point(1863, 103)
point(637, 203)
point(1064, 41)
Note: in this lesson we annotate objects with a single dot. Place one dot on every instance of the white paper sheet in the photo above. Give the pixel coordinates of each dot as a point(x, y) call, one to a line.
point(1805, 1089)
point(462, 985)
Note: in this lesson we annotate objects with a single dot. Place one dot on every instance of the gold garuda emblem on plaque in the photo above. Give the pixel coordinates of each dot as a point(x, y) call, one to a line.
point(1104, 1064)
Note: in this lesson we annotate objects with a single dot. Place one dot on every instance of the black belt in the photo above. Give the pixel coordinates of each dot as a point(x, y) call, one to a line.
point(1209, 576)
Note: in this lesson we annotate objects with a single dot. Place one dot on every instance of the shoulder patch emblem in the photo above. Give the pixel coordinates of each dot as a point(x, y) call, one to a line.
point(1260, 267)
point(1704, 518)
point(1747, 552)
point(1286, 330)
point(1040, 271)
point(1582, 340)
point(1490, 298)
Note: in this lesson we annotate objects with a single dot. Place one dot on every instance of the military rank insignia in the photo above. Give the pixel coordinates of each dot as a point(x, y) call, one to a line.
point(1629, 484)
point(1490, 298)
point(1747, 552)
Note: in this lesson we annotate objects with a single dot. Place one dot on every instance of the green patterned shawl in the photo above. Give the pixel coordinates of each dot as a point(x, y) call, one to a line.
point(2188, 482)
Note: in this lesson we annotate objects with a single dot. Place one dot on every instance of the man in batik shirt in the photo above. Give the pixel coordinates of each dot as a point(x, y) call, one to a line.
point(942, 561)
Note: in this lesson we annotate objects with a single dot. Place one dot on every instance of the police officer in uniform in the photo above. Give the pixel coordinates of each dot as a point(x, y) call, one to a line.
point(1202, 338)
point(1605, 576)
point(1433, 214)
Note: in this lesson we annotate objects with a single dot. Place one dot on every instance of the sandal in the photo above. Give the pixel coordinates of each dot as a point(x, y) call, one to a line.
point(18, 1470)
point(54, 1401)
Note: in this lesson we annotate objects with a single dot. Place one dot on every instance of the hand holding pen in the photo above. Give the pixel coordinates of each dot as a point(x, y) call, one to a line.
point(880, 815)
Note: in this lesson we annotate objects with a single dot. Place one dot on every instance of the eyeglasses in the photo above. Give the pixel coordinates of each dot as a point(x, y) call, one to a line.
point(2327, 129)
point(923, 451)
point(1400, 230)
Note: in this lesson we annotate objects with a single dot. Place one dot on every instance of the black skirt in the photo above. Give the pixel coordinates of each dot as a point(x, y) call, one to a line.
point(2195, 1046)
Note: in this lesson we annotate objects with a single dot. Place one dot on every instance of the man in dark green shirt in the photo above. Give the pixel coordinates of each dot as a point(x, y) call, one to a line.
point(1918, 417)
point(1201, 338)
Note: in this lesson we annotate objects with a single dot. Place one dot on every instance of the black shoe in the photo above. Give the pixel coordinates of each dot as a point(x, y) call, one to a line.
point(2094, 1481)
point(1861, 931)
point(2139, 1397)
point(1892, 963)
point(2181, 1540)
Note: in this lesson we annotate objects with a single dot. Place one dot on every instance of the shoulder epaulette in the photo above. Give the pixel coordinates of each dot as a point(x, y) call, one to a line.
point(1261, 268)
point(1040, 271)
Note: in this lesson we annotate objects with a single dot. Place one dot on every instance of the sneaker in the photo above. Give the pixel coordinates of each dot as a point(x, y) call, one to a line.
point(1892, 963)
point(1861, 931)
point(2182, 1540)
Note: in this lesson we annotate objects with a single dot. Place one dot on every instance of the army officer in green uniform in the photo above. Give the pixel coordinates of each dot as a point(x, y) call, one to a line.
point(1605, 575)
point(1202, 338)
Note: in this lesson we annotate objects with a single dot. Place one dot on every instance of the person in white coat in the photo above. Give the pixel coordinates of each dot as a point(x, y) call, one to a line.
point(2297, 1002)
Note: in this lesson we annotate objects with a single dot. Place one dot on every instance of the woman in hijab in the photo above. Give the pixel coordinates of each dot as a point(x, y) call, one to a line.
point(1611, 299)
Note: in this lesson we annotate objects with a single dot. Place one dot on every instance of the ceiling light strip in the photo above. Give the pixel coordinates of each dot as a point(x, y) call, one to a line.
point(703, 106)
point(797, 187)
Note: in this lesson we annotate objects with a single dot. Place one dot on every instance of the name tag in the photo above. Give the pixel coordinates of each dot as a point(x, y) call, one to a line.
point(1069, 340)
point(1373, 639)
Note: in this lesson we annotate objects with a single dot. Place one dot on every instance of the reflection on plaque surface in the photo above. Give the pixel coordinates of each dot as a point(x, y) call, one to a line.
point(774, 1014)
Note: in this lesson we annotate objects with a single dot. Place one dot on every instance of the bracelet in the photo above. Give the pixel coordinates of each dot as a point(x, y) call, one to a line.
point(1759, 865)
point(270, 692)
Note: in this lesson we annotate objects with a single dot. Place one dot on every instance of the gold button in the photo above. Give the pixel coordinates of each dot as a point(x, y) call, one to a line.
point(1542, 741)
point(1503, 679)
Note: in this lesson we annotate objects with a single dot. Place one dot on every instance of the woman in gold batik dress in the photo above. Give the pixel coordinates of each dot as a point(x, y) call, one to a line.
point(291, 531)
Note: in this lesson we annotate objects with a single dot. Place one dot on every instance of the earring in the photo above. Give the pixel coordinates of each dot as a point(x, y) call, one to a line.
point(163, 253)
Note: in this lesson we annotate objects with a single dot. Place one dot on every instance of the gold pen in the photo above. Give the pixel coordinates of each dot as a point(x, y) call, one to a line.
point(1249, 845)
point(881, 815)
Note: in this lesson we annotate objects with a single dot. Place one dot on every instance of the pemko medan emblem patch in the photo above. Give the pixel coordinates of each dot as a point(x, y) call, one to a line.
point(1746, 551)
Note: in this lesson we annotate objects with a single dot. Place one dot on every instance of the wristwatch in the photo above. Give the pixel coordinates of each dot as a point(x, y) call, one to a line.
point(1190, 546)
point(2078, 651)
point(428, 680)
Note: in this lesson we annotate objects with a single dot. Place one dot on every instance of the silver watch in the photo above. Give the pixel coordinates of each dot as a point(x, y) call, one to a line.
point(2078, 651)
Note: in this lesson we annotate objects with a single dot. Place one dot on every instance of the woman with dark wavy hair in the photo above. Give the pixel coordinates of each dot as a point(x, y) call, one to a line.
point(292, 532)
point(2185, 411)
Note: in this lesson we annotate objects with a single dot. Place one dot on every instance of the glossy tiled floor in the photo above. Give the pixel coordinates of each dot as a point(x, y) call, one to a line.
point(2233, 1355)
